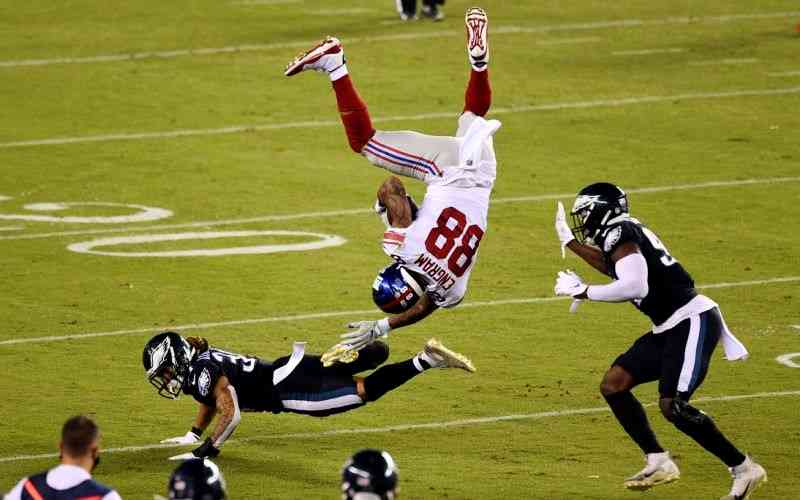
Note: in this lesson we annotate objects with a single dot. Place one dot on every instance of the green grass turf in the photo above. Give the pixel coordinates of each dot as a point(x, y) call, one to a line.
point(532, 357)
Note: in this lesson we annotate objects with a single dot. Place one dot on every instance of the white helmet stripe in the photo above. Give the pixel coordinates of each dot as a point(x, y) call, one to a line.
point(411, 281)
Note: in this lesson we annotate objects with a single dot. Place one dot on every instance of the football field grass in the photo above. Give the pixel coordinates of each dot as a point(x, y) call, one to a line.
point(166, 127)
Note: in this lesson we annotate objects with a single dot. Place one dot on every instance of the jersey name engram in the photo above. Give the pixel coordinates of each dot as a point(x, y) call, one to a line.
point(442, 243)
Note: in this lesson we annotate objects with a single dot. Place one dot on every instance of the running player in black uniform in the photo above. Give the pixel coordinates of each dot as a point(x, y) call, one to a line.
point(677, 351)
point(226, 384)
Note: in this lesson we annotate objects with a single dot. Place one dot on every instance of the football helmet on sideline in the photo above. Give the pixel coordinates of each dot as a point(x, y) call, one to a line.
point(369, 475)
point(595, 207)
point(166, 360)
point(396, 289)
point(197, 479)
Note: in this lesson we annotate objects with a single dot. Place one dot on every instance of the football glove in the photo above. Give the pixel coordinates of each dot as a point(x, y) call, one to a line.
point(562, 229)
point(365, 333)
point(189, 438)
point(570, 284)
point(207, 449)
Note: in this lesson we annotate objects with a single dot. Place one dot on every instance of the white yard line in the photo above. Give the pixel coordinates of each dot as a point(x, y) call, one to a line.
point(497, 30)
point(466, 422)
point(714, 62)
point(784, 73)
point(598, 103)
point(646, 52)
point(795, 326)
point(335, 314)
point(364, 211)
point(12, 228)
point(568, 41)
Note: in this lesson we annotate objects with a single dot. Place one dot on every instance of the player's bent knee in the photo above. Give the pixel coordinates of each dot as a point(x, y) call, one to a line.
point(666, 407)
point(681, 413)
point(615, 380)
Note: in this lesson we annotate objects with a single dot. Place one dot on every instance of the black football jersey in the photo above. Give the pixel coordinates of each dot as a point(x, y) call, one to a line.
point(670, 286)
point(250, 376)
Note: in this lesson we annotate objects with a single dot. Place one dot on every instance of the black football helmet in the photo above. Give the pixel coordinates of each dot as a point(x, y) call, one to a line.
point(369, 475)
point(196, 479)
point(595, 206)
point(166, 360)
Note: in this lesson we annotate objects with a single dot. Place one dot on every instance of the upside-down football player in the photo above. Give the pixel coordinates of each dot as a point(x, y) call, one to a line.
point(687, 327)
point(226, 384)
point(434, 247)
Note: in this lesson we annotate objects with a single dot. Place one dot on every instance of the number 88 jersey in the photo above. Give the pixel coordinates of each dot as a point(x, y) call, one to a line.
point(441, 244)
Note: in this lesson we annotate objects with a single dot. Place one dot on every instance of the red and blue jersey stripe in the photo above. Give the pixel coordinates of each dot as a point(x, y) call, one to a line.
point(402, 158)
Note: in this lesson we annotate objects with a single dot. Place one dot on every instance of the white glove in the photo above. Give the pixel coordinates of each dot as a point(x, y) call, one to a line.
point(569, 283)
point(562, 229)
point(366, 332)
point(189, 438)
point(183, 456)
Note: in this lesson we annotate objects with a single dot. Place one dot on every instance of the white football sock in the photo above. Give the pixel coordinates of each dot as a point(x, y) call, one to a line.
point(337, 73)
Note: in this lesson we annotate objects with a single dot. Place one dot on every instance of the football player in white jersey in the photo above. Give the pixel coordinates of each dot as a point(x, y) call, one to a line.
point(434, 247)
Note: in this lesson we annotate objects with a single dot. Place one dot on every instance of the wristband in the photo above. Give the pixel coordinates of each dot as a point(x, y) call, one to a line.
point(207, 449)
point(197, 432)
point(383, 326)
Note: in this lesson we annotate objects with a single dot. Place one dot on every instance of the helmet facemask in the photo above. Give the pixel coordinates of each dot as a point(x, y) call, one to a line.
point(587, 213)
point(595, 207)
point(168, 368)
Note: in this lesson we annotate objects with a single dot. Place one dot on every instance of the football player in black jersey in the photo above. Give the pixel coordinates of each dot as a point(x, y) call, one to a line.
point(686, 328)
point(226, 384)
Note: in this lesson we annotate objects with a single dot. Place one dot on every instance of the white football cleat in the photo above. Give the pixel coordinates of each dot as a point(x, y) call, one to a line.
point(746, 478)
point(659, 469)
point(477, 38)
point(327, 56)
point(439, 356)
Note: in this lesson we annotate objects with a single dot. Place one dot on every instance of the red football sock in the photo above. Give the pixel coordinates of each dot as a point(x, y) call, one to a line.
point(354, 114)
point(478, 97)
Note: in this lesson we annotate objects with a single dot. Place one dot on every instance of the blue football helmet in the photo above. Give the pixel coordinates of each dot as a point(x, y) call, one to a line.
point(395, 289)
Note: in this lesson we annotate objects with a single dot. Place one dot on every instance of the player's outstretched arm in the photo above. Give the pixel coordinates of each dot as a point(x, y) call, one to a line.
point(229, 416)
point(592, 255)
point(366, 332)
point(205, 414)
point(631, 272)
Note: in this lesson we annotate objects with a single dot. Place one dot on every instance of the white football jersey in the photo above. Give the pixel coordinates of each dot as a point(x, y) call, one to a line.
point(442, 242)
